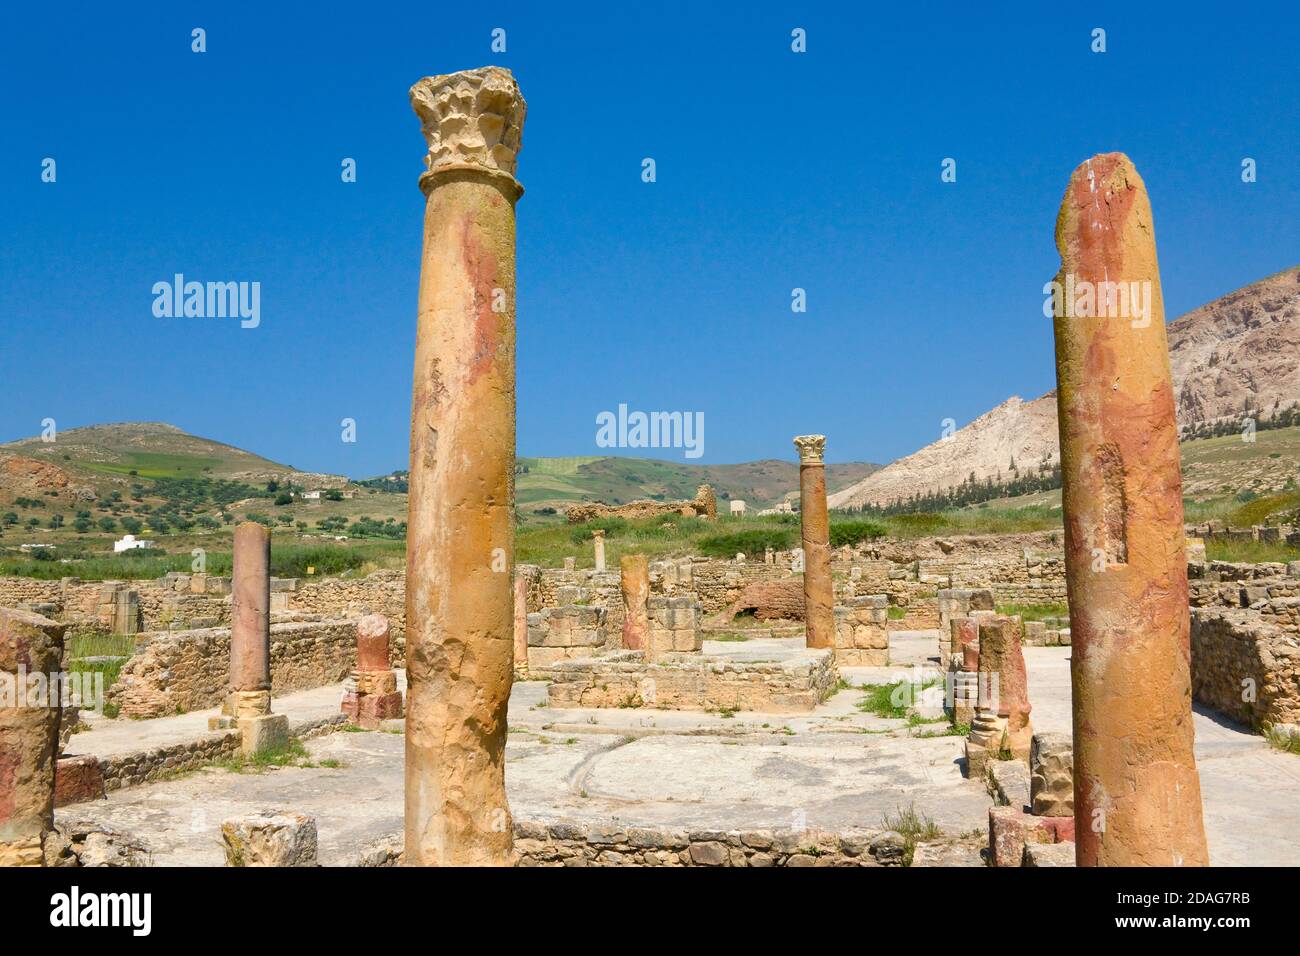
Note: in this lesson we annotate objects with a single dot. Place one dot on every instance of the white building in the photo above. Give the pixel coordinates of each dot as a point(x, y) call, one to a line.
point(738, 508)
point(129, 542)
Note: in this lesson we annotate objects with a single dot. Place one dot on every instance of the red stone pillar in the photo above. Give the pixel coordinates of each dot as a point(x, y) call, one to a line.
point(374, 697)
point(460, 541)
point(635, 583)
point(818, 596)
point(1137, 794)
point(250, 622)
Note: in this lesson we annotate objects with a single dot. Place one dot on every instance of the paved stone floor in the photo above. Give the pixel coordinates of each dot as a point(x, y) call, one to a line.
point(834, 767)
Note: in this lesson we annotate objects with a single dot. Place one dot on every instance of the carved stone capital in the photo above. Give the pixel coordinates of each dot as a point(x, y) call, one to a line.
point(473, 120)
point(812, 449)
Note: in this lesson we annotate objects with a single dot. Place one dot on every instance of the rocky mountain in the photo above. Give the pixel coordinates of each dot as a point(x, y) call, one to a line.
point(1239, 351)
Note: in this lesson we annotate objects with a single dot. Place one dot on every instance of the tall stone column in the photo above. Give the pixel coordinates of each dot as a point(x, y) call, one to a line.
point(598, 545)
point(250, 622)
point(818, 598)
point(1137, 794)
point(460, 540)
point(29, 734)
point(635, 583)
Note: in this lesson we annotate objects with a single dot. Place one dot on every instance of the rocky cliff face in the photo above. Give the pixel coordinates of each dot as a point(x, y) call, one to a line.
point(1239, 351)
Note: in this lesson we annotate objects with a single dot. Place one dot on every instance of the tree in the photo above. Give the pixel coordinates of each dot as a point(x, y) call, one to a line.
point(10, 518)
point(284, 498)
point(132, 525)
point(82, 525)
point(107, 524)
point(56, 521)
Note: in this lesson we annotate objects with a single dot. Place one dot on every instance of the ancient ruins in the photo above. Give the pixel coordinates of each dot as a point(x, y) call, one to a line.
point(1008, 700)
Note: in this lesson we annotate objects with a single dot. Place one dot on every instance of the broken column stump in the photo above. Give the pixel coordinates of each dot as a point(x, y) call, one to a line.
point(373, 696)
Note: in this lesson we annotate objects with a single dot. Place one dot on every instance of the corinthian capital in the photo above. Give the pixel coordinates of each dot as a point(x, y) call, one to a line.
point(470, 119)
point(812, 448)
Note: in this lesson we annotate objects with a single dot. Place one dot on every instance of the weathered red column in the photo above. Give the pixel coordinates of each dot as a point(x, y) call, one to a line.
point(250, 622)
point(460, 540)
point(818, 598)
point(635, 582)
point(30, 709)
point(1137, 794)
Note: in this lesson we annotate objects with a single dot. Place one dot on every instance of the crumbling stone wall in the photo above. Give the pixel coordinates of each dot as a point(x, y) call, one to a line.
point(1246, 669)
point(687, 682)
point(180, 671)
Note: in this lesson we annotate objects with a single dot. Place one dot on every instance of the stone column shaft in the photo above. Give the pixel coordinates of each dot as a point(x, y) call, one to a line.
point(598, 545)
point(520, 622)
point(1137, 794)
point(635, 582)
point(250, 621)
point(460, 542)
point(818, 597)
point(29, 735)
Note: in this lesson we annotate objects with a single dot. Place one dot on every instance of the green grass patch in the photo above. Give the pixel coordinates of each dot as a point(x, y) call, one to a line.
point(855, 532)
point(892, 700)
point(1035, 612)
point(752, 542)
point(914, 827)
point(1252, 552)
point(1288, 741)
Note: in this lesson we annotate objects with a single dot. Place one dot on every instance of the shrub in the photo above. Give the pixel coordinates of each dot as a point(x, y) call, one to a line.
point(753, 541)
point(852, 532)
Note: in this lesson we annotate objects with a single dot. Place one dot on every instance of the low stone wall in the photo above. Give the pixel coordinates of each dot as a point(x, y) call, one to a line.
point(143, 766)
point(692, 682)
point(381, 592)
point(565, 843)
point(1246, 669)
point(178, 671)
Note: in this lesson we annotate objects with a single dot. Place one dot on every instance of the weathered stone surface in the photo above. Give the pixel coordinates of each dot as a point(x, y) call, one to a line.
point(85, 843)
point(819, 599)
point(265, 733)
point(1051, 768)
point(1048, 854)
point(29, 734)
point(635, 587)
point(270, 838)
point(77, 779)
point(1126, 564)
point(1009, 830)
point(1008, 782)
point(460, 617)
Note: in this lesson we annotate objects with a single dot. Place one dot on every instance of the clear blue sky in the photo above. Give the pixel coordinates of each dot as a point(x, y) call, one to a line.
point(775, 170)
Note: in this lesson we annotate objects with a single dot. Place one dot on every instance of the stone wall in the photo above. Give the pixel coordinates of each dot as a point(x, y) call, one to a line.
point(1246, 669)
point(178, 671)
point(566, 843)
point(561, 633)
point(688, 682)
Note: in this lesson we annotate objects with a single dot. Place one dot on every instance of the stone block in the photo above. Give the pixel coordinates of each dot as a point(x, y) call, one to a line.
point(1048, 854)
point(266, 733)
point(1009, 830)
point(270, 838)
point(1051, 780)
point(78, 779)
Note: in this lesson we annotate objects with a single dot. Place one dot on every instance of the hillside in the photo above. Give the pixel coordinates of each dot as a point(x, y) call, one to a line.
point(555, 482)
point(1236, 352)
point(99, 460)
